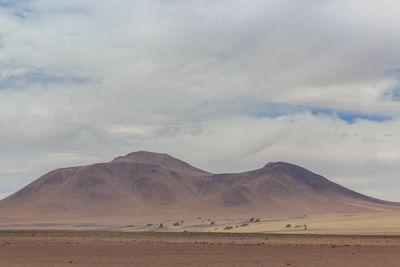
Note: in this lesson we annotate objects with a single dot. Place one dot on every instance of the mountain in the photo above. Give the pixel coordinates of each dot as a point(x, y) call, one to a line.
point(145, 185)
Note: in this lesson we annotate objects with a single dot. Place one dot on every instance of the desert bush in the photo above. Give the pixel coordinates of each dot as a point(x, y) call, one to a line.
point(257, 220)
point(251, 220)
point(212, 223)
point(288, 225)
point(176, 224)
point(161, 225)
point(228, 227)
point(149, 224)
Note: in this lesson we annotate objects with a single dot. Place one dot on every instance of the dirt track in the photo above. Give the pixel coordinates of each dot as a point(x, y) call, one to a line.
point(86, 248)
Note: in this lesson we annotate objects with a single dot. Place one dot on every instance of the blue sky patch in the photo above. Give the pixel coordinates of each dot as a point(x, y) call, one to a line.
point(36, 77)
point(351, 116)
point(396, 94)
point(19, 15)
point(274, 110)
point(12, 3)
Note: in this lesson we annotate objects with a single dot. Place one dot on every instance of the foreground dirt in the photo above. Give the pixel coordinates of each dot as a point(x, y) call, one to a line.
point(98, 248)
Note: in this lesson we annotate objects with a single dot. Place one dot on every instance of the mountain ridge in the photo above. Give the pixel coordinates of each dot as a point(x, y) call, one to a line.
point(151, 185)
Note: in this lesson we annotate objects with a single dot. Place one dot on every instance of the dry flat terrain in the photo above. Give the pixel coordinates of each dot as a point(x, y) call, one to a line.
point(348, 223)
point(100, 248)
point(387, 223)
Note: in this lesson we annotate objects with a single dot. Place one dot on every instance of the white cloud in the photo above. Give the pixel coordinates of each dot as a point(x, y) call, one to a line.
point(196, 79)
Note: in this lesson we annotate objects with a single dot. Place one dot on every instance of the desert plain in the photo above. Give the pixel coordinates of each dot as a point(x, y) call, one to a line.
point(370, 239)
point(105, 248)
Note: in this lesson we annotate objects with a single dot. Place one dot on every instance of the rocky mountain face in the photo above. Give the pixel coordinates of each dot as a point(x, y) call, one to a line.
point(145, 185)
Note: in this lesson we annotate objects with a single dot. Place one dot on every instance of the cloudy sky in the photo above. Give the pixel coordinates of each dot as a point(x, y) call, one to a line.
point(224, 85)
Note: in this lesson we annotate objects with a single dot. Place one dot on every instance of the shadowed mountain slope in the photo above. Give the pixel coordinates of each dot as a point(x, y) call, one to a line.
point(153, 185)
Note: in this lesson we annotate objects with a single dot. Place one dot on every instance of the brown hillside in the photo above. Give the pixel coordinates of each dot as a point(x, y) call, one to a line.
point(145, 185)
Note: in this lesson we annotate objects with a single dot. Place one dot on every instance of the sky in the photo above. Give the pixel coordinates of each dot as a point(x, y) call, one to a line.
point(226, 86)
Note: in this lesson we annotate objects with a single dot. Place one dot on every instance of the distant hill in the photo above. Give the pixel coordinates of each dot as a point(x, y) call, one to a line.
point(145, 185)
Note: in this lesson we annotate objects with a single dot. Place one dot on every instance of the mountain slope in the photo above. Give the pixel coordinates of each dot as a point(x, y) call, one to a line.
point(144, 185)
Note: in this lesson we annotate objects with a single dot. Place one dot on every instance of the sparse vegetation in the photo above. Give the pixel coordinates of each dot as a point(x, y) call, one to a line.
point(161, 225)
point(228, 227)
point(288, 225)
point(176, 224)
point(5, 244)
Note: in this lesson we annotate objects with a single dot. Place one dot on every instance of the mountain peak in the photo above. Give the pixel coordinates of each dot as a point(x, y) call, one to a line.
point(145, 157)
point(278, 164)
point(161, 159)
point(144, 153)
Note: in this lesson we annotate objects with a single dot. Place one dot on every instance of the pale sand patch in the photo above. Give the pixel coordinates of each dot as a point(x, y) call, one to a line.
point(357, 223)
point(383, 223)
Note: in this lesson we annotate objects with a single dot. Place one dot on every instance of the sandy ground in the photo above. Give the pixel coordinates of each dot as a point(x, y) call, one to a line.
point(101, 248)
point(356, 223)
point(370, 239)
